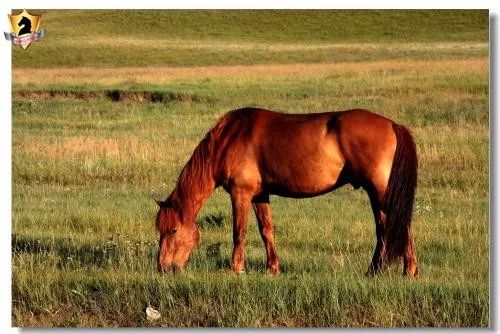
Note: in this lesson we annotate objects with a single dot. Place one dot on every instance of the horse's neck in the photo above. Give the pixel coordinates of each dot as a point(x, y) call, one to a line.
point(197, 179)
point(192, 191)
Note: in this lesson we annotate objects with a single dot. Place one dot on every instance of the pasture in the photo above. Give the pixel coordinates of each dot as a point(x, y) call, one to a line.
point(107, 110)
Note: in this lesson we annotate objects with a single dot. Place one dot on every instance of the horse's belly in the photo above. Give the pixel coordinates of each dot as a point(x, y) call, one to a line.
point(304, 176)
point(304, 161)
point(303, 187)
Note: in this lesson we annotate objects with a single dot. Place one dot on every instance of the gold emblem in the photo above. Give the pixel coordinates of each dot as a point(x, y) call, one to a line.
point(25, 28)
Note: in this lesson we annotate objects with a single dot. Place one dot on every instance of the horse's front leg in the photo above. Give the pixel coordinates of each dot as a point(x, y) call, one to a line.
point(262, 210)
point(241, 201)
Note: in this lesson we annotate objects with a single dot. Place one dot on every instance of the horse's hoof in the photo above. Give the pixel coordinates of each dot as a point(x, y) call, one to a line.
point(411, 273)
point(371, 272)
point(273, 271)
point(238, 272)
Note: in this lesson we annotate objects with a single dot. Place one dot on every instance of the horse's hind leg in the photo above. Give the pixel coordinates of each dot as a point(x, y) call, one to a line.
point(377, 263)
point(379, 260)
point(410, 267)
point(262, 210)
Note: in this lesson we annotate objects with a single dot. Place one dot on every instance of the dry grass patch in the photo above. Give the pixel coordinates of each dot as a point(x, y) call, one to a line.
point(165, 75)
point(169, 44)
point(91, 148)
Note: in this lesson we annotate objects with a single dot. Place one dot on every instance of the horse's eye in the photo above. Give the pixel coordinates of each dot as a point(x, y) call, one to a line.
point(172, 231)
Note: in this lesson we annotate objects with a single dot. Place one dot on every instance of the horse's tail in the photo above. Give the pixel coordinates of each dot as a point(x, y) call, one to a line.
point(400, 194)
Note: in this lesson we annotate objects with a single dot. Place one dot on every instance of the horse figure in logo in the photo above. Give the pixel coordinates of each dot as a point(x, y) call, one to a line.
point(27, 26)
point(254, 153)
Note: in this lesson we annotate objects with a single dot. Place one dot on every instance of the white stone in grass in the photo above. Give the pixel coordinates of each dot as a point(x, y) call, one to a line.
point(152, 314)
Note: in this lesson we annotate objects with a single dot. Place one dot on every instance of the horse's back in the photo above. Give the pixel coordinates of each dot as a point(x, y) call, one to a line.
point(302, 155)
point(288, 154)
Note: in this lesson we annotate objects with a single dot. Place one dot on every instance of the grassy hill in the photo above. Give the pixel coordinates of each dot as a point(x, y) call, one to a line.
point(229, 37)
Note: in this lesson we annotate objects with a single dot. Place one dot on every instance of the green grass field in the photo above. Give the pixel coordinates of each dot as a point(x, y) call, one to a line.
point(107, 110)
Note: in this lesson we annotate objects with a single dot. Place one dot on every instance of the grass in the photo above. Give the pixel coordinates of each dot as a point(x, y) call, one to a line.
point(150, 38)
point(85, 170)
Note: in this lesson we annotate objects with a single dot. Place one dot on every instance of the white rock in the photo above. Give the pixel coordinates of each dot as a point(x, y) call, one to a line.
point(152, 314)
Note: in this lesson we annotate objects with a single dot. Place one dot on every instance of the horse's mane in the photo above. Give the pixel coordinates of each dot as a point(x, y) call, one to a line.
point(202, 165)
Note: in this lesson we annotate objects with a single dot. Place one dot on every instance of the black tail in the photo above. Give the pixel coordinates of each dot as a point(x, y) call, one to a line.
point(400, 194)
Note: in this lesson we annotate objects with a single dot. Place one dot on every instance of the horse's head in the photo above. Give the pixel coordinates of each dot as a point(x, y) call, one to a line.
point(24, 21)
point(177, 238)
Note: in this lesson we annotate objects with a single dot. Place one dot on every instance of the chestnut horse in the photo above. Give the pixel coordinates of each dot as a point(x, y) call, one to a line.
point(254, 153)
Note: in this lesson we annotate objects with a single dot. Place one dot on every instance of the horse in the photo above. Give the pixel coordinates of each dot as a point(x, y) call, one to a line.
point(26, 23)
point(254, 153)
